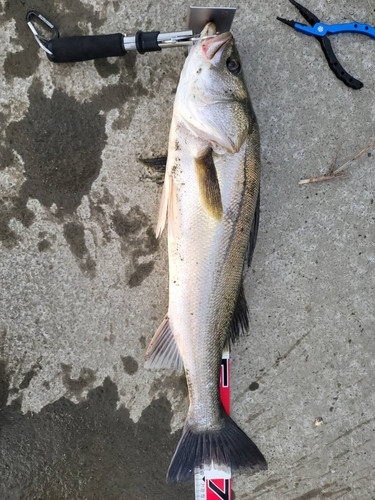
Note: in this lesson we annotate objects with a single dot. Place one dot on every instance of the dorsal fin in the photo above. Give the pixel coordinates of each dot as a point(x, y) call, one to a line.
point(209, 187)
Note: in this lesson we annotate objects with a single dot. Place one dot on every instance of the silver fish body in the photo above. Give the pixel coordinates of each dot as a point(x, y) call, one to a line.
point(211, 194)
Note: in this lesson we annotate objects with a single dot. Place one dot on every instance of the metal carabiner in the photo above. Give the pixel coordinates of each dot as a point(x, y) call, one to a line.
point(41, 41)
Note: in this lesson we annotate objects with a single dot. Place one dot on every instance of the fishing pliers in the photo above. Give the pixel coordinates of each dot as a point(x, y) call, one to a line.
point(321, 31)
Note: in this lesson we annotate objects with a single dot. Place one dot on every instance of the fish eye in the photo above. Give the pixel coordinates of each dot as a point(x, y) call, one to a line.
point(234, 65)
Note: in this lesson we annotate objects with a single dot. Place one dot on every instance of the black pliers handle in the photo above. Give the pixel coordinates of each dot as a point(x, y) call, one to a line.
point(325, 43)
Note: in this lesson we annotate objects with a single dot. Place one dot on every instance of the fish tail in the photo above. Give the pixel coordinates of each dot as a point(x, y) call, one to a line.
point(228, 446)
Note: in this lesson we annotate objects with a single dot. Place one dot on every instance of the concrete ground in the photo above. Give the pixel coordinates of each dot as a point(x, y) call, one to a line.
point(84, 281)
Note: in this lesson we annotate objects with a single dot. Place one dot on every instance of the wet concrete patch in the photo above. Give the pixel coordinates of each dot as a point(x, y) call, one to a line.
point(60, 142)
point(175, 383)
point(106, 68)
point(138, 237)
point(88, 450)
point(140, 274)
point(71, 20)
point(33, 372)
point(44, 245)
point(76, 387)
point(75, 236)
point(99, 205)
point(254, 386)
point(130, 364)
point(13, 208)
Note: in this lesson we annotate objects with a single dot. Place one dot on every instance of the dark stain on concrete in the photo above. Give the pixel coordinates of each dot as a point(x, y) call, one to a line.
point(75, 387)
point(13, 208)
point(106, 198)
point(61, 142)
point(75, 236)
point(25, 62)
point(6, 154)
point(310, 494)
point(127, 225)
point(89, 450)
point(140, 274)
point(44, 245)
point(114, 96)
point(129, 64)
point(130, 364)
point(129, 91)
point(5, 392)
point(105, 68)
point(35, 369)
point(330, 494)
point(319, 492)
point(20, 64)
point(175, 383)
point(265, 485)
point(98, 212)
point(142, 341)
point(124, 120)
point(4, 384)
point(254, 386)
point(138, 238)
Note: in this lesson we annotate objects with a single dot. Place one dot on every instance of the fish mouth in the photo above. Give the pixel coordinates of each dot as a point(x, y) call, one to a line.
point(212, 44)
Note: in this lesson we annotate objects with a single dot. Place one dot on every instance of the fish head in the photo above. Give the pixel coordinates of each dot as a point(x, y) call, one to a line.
point(212, 98)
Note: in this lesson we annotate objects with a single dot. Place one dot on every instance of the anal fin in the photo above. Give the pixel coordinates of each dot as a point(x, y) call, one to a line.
point(163, 351)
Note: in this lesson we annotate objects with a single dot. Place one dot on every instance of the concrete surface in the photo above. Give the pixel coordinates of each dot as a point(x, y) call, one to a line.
point(84, 282)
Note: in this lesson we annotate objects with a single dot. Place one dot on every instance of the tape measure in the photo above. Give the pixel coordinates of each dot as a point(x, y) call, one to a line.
point(215, 482)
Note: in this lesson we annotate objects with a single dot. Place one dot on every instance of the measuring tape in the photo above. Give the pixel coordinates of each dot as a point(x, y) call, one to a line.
point(215, 482)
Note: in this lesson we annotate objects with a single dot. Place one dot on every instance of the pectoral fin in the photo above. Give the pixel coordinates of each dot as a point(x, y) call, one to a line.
point(209, 187)
point(163, 351)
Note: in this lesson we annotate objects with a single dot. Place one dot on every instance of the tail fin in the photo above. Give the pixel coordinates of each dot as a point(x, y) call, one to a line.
point(228, 446)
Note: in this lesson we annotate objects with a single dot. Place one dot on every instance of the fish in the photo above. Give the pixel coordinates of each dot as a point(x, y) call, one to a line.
point(210, 199)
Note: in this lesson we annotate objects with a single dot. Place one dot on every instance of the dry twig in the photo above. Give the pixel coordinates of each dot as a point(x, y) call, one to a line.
point(335, 174)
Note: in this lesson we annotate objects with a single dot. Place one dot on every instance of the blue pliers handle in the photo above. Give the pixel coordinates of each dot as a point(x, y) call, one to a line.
point(321, 31)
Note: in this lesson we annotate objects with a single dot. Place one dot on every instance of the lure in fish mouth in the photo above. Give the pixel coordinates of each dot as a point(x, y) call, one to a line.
point(211, 200)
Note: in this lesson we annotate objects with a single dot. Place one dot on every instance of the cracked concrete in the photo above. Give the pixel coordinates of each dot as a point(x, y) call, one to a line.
point(84, 282)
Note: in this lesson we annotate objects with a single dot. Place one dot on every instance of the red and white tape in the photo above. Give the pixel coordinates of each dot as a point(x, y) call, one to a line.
point(215, 482)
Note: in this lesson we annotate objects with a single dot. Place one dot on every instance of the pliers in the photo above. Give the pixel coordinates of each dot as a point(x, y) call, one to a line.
point(321, 31)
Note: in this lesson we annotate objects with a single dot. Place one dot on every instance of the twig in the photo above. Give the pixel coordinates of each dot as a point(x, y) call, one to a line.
point(322, 178)
point(371, 145)
point(335, 174)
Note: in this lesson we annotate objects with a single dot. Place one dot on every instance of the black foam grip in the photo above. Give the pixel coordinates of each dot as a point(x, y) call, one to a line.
point(84, 48)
